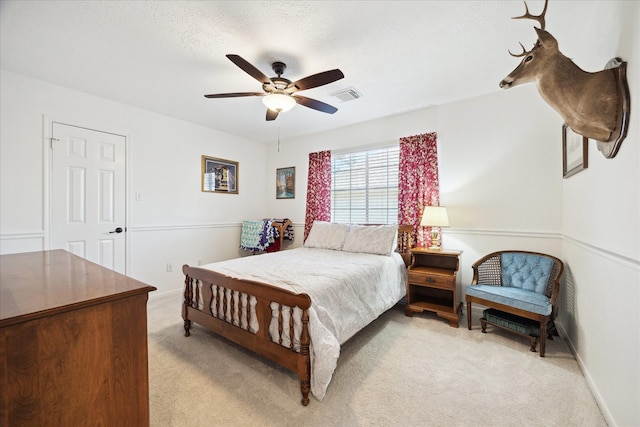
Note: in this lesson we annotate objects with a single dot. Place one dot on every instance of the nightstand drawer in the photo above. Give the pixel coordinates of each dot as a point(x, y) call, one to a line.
point(446, 282)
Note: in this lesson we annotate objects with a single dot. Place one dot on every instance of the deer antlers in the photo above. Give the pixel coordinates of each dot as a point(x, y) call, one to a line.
point(539, 18)
point(528, 15)
point(524, 52)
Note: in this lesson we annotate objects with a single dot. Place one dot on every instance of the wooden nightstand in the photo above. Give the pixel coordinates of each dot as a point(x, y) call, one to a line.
point(431, 284)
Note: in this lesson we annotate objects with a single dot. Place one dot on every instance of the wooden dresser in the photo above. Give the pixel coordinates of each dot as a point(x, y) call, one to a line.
point(73, 343)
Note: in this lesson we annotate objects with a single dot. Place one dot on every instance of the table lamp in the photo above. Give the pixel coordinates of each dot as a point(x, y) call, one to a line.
point(434, 216)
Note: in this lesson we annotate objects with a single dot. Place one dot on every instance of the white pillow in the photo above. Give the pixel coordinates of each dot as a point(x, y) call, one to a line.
point(327, 235)
point(371, 239)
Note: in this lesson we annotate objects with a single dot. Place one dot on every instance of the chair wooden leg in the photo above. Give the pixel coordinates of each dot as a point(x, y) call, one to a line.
point(469, 314)
point(543, 336)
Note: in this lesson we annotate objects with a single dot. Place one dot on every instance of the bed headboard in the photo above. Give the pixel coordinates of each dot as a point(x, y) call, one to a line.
point(405, 242)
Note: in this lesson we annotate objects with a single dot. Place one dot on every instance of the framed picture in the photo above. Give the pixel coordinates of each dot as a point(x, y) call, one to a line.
point(575, 152)
point(286, 183)
point(219, 175)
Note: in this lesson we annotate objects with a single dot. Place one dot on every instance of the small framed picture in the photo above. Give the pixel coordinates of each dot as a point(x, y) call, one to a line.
point(286, 183)
point(219, 175)
point(575, 152)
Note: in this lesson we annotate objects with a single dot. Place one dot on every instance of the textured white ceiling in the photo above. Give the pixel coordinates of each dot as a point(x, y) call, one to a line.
point(164, 56)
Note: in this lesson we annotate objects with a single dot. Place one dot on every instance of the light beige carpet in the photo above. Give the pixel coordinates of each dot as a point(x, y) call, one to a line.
point(399, 371)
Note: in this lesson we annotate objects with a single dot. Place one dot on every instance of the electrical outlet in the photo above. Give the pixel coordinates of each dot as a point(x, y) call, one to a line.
point(169, 267)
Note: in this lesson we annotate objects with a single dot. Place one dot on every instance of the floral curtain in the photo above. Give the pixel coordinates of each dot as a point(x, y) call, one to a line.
point(318, 190)
point(418, 183)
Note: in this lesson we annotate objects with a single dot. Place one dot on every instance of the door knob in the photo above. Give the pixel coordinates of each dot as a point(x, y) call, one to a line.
point(117, 230)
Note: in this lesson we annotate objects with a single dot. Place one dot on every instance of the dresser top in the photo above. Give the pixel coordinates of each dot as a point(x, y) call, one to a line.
point(38, 284)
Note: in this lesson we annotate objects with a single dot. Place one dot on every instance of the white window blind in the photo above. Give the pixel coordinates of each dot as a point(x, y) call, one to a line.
point(364, 186)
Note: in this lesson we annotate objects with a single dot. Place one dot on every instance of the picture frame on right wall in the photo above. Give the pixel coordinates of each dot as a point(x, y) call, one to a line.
point(575, 152)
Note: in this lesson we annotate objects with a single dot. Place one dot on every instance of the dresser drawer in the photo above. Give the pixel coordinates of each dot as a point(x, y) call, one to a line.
point(435, 281)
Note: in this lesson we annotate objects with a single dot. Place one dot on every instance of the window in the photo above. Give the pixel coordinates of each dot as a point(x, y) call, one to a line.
point(364, 186)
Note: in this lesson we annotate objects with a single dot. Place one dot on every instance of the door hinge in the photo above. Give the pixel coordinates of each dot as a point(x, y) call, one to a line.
point(51, 142)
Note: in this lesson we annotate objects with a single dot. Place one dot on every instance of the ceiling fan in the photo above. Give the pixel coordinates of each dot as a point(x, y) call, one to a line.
point(279, 93)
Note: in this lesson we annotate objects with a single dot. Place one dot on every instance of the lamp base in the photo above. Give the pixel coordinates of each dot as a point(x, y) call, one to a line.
point(434, 242)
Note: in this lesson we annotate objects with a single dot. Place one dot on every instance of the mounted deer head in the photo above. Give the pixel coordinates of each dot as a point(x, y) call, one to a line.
point(595, 105)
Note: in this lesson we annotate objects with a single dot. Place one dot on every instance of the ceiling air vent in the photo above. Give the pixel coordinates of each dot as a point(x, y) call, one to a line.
point(346, 95)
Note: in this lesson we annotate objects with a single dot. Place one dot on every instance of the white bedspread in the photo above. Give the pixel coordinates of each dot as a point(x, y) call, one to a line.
point(348, 290)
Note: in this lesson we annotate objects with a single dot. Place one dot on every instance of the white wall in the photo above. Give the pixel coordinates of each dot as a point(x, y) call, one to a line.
point(501, 174)
point(175, 223)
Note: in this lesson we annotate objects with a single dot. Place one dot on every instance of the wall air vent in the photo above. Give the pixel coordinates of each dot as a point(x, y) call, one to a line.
point(346, 95)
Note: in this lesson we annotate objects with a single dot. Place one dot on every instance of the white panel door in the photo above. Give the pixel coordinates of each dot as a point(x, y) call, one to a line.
point(88, 194)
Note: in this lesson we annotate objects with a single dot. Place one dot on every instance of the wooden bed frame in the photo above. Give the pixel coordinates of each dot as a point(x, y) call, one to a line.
point(232, 297)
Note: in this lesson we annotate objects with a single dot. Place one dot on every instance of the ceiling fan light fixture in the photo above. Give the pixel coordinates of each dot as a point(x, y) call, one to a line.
point(277, 92)
point(278, 102)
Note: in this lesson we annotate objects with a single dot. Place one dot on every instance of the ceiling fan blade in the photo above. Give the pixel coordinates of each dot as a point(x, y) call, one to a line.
point(271, 115)
point(316, 80)
point(315, 104)
point(234, 94)
point(249, 69)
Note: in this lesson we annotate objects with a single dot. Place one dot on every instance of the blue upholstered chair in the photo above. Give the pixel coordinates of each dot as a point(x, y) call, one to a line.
point(517, 285)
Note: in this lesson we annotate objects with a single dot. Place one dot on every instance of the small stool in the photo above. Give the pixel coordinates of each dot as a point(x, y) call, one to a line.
point(510, 322)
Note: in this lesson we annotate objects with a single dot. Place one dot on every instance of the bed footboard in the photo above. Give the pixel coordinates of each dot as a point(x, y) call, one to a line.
point(265, 319)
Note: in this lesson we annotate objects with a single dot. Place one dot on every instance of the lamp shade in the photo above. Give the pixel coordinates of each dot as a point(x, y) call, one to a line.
point(434, 216)
point(278, 102)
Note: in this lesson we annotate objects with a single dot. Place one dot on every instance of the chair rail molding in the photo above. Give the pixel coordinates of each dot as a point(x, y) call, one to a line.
point(627, 260)
point(505, 233)
point(22, 235)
